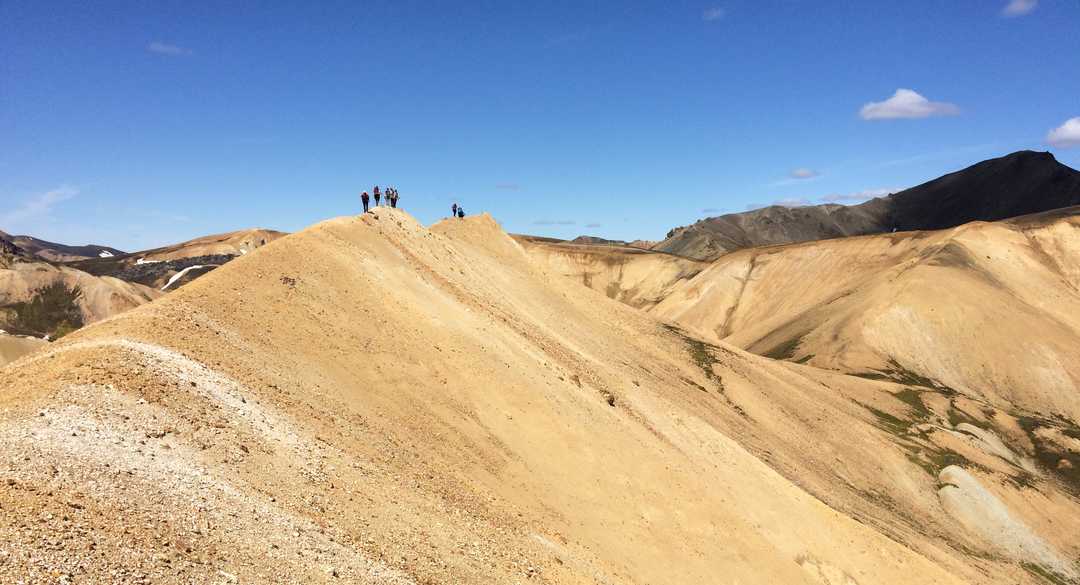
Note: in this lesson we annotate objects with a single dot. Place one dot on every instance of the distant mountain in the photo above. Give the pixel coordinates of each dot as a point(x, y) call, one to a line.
point(54, 252)
point(598, 241)
point(48, 289)
point(1018, 184)
point(9, 252)
point(235, 243)
point(157, 267)
point(624, 272)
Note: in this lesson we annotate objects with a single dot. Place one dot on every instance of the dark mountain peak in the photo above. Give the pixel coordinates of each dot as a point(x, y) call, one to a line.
point(1020, 183)
point(55, 252)
point(1017, 184)
point(1027, 155)
point(1020, 161)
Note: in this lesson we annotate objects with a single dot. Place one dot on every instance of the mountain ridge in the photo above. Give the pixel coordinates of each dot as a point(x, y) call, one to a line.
point(1017, 184)
point(415, 377)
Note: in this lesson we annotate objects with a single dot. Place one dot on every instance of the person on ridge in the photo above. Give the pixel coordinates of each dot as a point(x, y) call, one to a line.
point(376, 193)
point(393, 197)
point(364, 198)
point(460, 212)
point(453, 210)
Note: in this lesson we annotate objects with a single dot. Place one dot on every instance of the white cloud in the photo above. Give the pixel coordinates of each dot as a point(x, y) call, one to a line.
point(36, 209)
point(714, 13)
point(167, 49)
point(856, 197)
point(792, 202)
point(1019, 7)
point(803, 174)
point(797, 176)
point(1065, 136)
point(906, 103)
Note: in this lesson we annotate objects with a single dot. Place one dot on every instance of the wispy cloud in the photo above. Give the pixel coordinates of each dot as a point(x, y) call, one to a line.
point(939, 155)
point(844, 198)
point(1065, 136)
point(508, 187)
point(554, 222)
point(168, 49)
point(1019, 7)
point(37, 208)
point(857, 197)
point(906, 103)
point(714, 13)
point(803, 173)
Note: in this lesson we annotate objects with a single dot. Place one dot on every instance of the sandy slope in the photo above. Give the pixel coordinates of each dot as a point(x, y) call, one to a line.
point(991, 310)
point(231, 244)
point(636, 277)
point(13, 347)
point(102, 296)
point(371, 401)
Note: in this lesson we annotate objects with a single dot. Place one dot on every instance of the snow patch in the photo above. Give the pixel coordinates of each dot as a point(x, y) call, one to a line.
point(180, 274)
point(982, 513)
point(105, 254)
point(142, 261)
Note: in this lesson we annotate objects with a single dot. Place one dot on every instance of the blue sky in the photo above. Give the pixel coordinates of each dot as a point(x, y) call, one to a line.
point(144, 123)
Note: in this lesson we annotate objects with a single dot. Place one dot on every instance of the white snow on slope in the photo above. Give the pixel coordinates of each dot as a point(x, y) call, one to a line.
point(145, 261)
point(105, 254)
point(180, 274)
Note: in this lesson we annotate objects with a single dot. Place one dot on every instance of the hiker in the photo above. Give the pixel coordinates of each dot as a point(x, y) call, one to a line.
point(376, 193)
point(453, 210)
point(364, 198)
point(460, 212)
point(393, 197)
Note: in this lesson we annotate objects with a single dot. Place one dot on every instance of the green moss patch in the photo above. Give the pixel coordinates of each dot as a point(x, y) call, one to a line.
point(785, 350)
point(1058, 462)
point(53, 310)
point(1046, 574)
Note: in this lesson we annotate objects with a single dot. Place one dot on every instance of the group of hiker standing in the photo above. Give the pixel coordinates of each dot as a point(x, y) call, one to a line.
point(391, 197)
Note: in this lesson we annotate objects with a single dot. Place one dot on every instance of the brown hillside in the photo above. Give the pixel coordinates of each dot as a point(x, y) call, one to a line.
point(372, 401)
point(947, 305)
point(235, 243)
point(634, 276)
point(100, 296)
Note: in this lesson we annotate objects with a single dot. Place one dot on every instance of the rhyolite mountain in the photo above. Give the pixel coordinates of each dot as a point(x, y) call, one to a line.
point(1018, 184)
point(54, 252)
